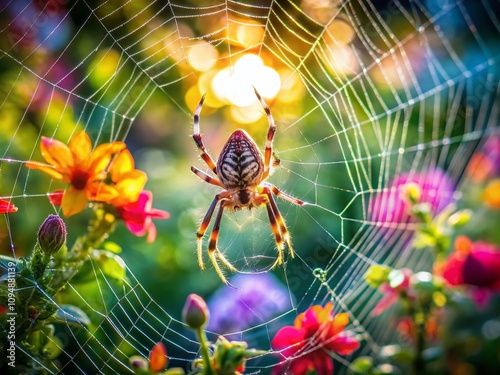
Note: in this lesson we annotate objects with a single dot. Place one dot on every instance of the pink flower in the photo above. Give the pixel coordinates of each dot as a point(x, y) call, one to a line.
point(308, 343)
point(392, 206)
point(138, 215)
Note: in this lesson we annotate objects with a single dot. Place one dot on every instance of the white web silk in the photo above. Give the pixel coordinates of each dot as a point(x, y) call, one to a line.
point(399, 95)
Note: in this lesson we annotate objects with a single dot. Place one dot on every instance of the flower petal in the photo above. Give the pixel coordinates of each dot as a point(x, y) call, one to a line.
point(6, 207)
point(100, 192)
point(56, 197)
point(49, 169)
point(122, 164)
point(101, 156)
point(343, 345)
point(129, 187)
point(73, 201)
point(56, 153)
point(81, 147)
point(339, 323)
point(138, 225)
point(288, 340)
point(151, 229)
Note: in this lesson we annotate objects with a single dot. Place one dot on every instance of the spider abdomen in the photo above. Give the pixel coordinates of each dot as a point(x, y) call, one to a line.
point(240, 162)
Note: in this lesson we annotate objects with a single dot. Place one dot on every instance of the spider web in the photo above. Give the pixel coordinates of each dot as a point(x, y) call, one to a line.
point(369, 90)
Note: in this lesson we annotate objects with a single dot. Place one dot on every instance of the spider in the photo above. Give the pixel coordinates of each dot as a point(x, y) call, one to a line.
point(242, 171)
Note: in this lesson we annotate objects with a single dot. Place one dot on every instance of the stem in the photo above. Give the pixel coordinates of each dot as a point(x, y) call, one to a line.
point(419, 362)
point(202, 338)
point(100, 225)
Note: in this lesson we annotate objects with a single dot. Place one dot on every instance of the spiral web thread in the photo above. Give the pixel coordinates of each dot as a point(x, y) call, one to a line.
point(407, 66)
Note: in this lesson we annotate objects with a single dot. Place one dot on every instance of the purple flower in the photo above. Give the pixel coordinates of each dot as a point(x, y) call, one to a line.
point(257, 299)
point(392, 206)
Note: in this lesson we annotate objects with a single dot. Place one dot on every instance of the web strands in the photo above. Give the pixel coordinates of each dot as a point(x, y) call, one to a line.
point(394, 92)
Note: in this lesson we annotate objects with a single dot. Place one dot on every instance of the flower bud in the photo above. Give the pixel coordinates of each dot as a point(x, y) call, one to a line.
point(52, 234)
point(195, 312)
point(158, 358)
point(139, 364)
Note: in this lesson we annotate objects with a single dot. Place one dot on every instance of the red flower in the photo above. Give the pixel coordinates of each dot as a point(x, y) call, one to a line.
point(7, 207)
point(138, 215)
point(307, 344)
point(477, 264)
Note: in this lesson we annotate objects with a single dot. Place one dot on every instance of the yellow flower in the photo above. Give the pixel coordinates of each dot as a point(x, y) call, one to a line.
point(127, 180)
point(81, 167)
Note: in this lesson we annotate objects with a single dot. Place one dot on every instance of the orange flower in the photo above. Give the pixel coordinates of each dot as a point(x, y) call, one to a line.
point(77, 164)
point(491, 193)
point(6, 207)
point(127, 180)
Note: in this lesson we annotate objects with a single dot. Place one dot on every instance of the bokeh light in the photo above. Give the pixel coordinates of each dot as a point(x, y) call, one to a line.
point(202, 56)
point(235, 84)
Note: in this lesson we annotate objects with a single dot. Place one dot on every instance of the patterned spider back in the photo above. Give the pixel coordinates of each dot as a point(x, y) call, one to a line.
point(240, 163)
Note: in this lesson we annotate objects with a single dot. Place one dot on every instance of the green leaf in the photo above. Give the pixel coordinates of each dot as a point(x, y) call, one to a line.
point(72, 314)
point(110, 264)
point(53, 348)
point(84, 275)
point(361, 366)
point(174, 371)
point(397, 353)
point(112, 246)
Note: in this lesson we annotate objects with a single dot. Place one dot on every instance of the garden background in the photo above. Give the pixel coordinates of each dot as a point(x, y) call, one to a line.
point(366, 95)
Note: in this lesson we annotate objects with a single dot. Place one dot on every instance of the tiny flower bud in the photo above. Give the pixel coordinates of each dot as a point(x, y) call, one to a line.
point(138, 363)
point(195, 312)
point(52, 234)
point(158, 358)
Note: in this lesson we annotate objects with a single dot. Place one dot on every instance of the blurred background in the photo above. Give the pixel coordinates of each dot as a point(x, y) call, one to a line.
point(361, 91)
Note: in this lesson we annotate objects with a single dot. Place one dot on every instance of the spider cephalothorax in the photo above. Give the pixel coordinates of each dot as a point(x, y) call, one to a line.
point(242, 171)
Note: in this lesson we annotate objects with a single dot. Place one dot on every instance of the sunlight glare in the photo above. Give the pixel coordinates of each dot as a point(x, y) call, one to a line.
point(234, 84)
